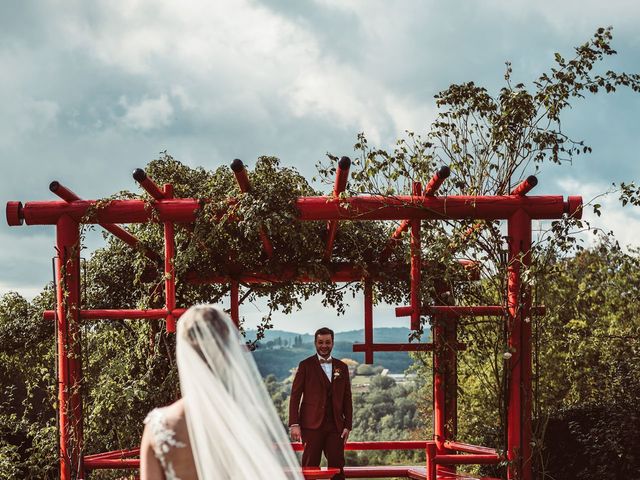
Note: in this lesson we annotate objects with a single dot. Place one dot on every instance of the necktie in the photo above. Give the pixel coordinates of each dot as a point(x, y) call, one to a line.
point(322, 360)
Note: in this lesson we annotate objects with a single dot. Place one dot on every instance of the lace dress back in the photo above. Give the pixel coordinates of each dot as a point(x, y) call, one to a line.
point(171, 443)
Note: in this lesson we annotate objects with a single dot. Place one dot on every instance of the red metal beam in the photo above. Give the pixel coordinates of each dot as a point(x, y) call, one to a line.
point(468, 448)
point(467, 459)
point(240, 172)
point(342, 174)
point(393, 347)
point(311, 208)
point(338, 273)
point(140, 176)
point(436, 181)
point(169, 266)
point(391, 445)
point(465, 311)
point(151, 314)
point(525, 186)
point(117, 231)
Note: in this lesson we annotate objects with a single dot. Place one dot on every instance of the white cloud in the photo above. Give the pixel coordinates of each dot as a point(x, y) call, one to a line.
point(147, 114)
point(24, 116)
point(623, 222)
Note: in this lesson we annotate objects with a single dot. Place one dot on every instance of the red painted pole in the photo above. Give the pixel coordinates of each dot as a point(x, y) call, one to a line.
point(150, 314)
point(519, 337)
point(342, 174)
point(368, 320)
point(235, 303)
point(416, 260)
point(69, 367)
point(140, 176)
point(436, 181)
point(431, 461)
point(525, 186)
point(117, 231)
point(432, 187)
point(169, 266)
point(240, 172)
point(445, 370)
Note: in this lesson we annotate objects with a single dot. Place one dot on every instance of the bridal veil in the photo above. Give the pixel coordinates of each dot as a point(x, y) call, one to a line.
point(234, 429)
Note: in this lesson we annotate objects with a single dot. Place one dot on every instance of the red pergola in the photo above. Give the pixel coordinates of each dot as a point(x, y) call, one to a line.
point(443, 453)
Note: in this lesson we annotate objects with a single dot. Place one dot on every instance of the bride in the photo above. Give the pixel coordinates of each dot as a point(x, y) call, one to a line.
point(225, 425)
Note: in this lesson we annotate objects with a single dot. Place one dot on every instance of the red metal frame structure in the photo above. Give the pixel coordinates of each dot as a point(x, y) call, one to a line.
point(443, 454)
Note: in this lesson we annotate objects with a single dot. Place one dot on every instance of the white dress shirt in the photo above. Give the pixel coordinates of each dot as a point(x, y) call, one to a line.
point(327, 367)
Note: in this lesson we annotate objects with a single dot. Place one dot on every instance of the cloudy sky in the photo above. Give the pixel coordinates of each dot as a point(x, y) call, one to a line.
point(89, 90)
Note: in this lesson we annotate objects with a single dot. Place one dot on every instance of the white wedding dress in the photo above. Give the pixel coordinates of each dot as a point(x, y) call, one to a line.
point(234, 431)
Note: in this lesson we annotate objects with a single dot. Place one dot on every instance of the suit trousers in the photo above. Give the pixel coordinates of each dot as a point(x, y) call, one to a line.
point(324, 439)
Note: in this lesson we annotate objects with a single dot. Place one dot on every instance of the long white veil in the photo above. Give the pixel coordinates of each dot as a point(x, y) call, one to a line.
point(233, 426)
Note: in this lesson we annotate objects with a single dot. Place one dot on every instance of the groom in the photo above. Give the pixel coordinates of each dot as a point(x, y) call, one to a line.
point(323, 419)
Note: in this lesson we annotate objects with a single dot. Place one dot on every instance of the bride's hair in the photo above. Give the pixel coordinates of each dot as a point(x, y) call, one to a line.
point(193, 323)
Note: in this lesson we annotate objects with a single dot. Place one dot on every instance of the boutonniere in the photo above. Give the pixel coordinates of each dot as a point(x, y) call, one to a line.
point(336, 374)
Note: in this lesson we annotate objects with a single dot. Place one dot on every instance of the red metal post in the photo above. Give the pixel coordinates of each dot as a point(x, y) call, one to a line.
point(368, 320)
point(69, 364)
point(169, 266)
point(416, 260)
point(342, 174)
point(242, 178)
point(519, 337)
point(235, 303)
point(445, 374)
point(431, 461)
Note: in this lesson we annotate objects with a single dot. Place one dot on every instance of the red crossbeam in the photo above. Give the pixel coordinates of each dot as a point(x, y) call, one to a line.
point(468, 448)
point(117, 231)
point(103, 314)
point(366, 207)
point(464, 311)
point(467, 459)
point(398, 347)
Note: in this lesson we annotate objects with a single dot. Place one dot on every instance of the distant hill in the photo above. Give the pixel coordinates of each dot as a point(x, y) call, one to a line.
point(279, 352)
point(384, 335)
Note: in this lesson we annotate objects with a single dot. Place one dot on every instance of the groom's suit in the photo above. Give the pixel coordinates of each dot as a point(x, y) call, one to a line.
point(322, 408)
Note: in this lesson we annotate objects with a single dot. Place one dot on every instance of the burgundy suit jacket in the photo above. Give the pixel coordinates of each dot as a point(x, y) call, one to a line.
point(309, 395)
